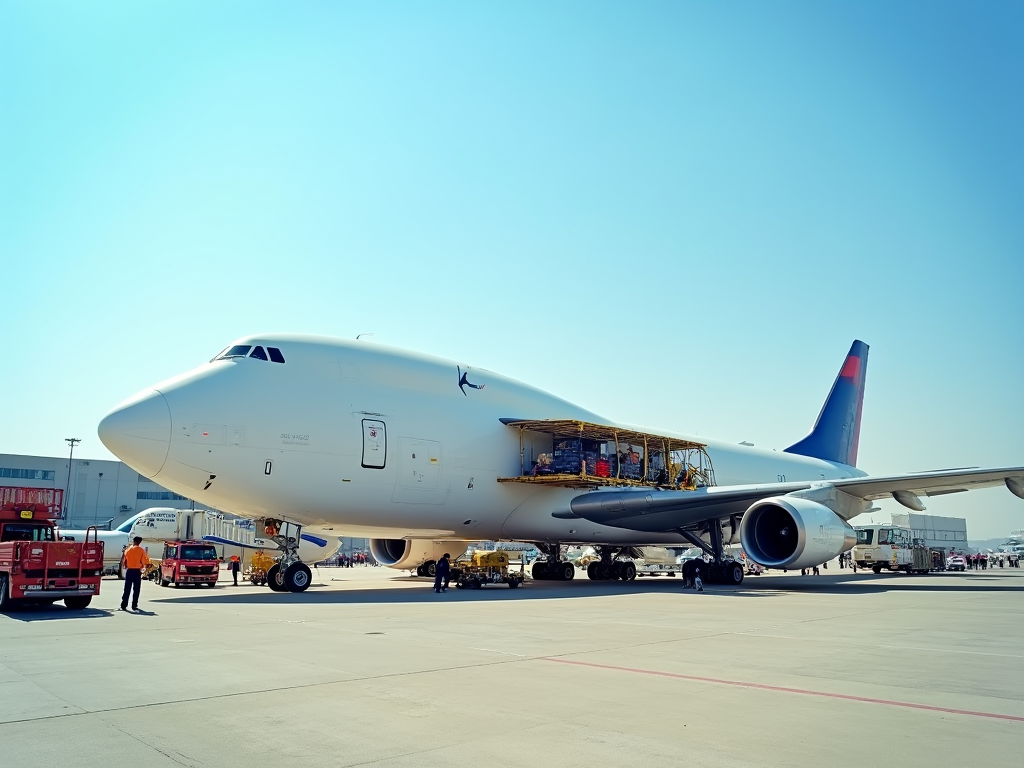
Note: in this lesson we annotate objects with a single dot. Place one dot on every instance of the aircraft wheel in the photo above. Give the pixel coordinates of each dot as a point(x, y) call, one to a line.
point(430, 568)
point(275, 579)
point(297, 577)
point(628, 571)
point(734, 574)
point(540, 571)
point(592, 571)
point(876, 568)
point(475, 584)
point(77, 603)
point(566, 571)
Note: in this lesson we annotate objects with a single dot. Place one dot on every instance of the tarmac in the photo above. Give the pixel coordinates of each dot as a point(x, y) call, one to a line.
point(371, 667)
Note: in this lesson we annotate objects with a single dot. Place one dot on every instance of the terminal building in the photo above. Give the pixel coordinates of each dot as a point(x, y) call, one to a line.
point(103, 493)
point(944, 533)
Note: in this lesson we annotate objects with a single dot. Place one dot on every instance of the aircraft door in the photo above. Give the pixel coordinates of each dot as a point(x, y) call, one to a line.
point(375, 444)
point(419, 472)
point(420, 464)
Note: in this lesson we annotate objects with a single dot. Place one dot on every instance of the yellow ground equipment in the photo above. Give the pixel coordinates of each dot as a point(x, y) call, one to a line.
point(485, 568)
point(258, 567)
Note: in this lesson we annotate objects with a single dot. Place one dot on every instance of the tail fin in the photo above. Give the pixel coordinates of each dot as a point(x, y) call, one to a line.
point(836, 433)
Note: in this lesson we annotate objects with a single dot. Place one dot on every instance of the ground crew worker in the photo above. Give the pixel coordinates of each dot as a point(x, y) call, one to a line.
point(133, 561)
point(234, 566)
point(441, 573)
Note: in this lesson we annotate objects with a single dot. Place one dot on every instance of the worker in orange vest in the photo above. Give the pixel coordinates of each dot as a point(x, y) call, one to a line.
point(133, 560)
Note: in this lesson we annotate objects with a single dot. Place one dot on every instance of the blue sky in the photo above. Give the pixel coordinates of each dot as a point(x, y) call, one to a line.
point(677, 214)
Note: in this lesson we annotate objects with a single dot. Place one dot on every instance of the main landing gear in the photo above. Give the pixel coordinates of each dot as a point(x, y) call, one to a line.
point(609, 567)
point(720, 570)
point(289, 574)
point(554, 568)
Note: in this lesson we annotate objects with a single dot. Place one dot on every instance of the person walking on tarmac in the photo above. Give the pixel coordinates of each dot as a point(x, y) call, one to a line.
point(441, 571)
point(234, 566)
point(133, 561)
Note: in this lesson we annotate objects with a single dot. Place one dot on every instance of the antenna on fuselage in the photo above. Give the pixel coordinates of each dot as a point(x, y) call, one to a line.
point(360, 335)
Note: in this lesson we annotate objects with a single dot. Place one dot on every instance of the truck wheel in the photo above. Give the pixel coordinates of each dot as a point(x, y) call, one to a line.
point(513, 583)
point(876, 568)
point(297, 577)
point(275, 579)
point(77, 603)
point(6, 603)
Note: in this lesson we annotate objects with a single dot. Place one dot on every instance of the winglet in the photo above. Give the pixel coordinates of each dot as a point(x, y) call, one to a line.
point(836, 433)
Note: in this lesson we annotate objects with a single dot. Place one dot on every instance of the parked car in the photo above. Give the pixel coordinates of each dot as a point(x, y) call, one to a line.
point(956, 563)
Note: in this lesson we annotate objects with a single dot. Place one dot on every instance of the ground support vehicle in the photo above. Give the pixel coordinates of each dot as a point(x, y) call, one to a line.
point(892, 548)
point(36, 568)
point(260, 564)
point(485, 568)
point(189, 562)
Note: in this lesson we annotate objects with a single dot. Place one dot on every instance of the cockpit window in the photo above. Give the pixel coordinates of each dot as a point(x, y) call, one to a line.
point(239, 350)
point(275, 354)
point(258, 353)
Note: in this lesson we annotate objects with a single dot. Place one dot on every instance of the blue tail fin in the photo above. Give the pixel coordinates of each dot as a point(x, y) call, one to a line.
point(836, 433)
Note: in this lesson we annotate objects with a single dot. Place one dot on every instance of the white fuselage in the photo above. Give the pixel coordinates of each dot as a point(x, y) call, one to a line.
point(355, 439)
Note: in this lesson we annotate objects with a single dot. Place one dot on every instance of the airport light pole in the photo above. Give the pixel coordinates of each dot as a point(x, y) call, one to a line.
point(72, 441)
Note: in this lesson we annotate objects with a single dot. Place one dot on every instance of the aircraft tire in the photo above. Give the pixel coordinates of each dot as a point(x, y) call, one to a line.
point(628, 571)
point(275, 579)
point(592, 571)
point(734, 574)
point(565, 571)
point(540, 571)
point(430, 568)
point(77, 603)
point(297, 577)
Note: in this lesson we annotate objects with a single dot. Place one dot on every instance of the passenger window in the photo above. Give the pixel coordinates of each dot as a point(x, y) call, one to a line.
point(275, 355)
point(259, 354)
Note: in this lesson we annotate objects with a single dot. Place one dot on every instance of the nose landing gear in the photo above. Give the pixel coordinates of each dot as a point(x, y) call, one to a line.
point(289, 574)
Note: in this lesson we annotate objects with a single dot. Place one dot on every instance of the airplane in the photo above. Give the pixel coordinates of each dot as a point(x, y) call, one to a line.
point(419, 454)
point(114, 543)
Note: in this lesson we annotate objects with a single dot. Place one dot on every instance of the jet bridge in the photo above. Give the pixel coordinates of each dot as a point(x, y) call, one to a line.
point(587, 455)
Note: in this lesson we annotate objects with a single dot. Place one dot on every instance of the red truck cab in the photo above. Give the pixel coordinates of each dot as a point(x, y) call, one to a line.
point(35, 568)
point(189, 562)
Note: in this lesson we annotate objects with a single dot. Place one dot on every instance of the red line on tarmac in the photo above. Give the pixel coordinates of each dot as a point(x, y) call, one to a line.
point(761, 686)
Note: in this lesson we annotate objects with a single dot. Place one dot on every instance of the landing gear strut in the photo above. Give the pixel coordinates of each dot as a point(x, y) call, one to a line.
point(289, 574)
point(720, 570)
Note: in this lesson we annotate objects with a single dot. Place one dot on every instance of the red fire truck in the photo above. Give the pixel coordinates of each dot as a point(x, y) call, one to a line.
point(36, 568)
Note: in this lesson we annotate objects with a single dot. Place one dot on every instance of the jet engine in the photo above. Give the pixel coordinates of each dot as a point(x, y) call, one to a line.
point(406, 554)
point(790, 532)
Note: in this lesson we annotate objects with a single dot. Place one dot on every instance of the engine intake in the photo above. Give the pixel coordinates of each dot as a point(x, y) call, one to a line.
point(406, 554)
point(790, 532)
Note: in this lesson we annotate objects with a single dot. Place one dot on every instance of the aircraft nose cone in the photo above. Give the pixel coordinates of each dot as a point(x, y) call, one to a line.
point(138, 432)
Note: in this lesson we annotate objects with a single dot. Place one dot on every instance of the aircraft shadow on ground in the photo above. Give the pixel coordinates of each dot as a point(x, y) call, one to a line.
point(762, 586)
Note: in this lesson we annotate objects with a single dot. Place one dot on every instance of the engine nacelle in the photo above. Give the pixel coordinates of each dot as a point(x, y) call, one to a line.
point(406, 554)
point(790, 532)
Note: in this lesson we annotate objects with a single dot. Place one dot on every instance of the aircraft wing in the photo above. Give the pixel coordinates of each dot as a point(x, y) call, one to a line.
point(652, 511)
